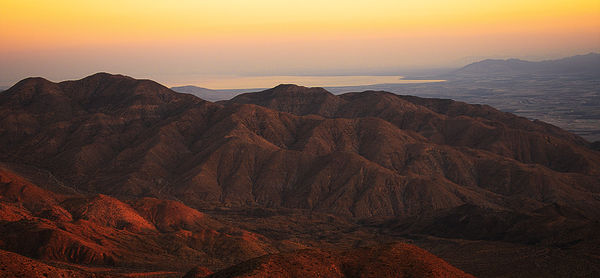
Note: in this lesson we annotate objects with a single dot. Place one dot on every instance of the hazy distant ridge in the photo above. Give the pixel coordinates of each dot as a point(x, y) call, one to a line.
point(588, 64)
point(209, 94)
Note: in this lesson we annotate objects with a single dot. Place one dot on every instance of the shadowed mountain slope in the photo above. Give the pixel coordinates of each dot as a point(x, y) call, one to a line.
point(390, 260)
point(131, 174)
point(442, 122)
point(15, 265)
point(103, 231)
point(358, 154)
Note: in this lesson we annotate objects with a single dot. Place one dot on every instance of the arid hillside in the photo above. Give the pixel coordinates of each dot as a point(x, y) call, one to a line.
point(123, 173)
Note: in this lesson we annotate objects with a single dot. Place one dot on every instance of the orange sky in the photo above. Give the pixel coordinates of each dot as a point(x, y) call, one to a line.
point(165, 40)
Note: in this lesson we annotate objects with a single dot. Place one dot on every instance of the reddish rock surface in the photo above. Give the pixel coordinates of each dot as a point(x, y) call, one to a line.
point(372, 154)
point(198, 272)
point(103, 231)
point(15, 265)
point(117, 172)
point(390, 260)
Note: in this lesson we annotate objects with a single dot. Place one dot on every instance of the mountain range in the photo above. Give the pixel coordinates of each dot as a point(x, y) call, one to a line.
point(581, 65)
point(110, 175)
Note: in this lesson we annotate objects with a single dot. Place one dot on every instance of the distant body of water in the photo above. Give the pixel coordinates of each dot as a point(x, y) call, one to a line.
point(245, 82)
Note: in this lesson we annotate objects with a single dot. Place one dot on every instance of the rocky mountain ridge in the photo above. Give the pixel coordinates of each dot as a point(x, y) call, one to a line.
point(112, 155)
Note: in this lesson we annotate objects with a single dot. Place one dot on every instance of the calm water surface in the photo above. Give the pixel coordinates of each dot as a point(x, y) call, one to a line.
point(244, 82)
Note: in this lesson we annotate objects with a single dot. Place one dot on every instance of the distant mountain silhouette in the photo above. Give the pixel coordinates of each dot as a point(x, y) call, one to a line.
point(108, 168)
point(586, 65)
point(207, 94)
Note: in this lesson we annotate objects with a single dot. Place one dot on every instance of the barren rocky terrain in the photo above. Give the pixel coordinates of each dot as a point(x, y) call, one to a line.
point(117, 176)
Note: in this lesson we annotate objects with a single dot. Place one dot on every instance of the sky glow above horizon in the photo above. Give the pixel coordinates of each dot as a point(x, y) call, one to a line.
point(164, 40)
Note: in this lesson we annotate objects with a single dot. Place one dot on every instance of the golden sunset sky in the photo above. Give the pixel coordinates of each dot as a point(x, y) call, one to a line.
point(175, 41)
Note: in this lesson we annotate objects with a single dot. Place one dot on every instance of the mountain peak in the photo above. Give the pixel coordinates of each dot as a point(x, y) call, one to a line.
point(116, 88)
point(292, 99)
point(31, 82)
point(107, 76)
point(288, 86)
point(105, 79)
point(284, 92)
point(296, 89)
